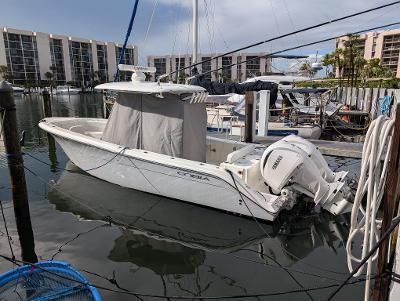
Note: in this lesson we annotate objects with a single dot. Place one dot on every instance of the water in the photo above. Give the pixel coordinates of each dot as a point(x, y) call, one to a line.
point(172, 248)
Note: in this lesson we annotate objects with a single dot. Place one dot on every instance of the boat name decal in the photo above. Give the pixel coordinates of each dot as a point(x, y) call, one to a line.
point(276, 163)
point(192, 175)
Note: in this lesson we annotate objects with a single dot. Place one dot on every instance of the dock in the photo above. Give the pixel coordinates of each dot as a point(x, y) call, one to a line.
point(329, 148)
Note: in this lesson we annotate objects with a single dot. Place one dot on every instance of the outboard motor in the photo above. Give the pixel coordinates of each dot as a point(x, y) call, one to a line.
point(295, 165)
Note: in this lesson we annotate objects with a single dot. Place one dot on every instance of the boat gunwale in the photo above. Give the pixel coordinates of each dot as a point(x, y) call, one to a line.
point(216, 172)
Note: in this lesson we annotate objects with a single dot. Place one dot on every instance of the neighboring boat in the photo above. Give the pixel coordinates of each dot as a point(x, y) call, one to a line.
point(283, 81)
point(224, 119)
point(155, 141)
point(46, 280)
point(18, 89)
point(65, 90)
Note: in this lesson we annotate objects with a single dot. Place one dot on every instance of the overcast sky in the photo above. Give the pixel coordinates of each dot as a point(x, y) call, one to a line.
point(224, 24)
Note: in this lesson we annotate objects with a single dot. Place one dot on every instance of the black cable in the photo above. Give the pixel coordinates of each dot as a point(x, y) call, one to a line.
point(132, 293)
point(86, 170)
point(395, 222)
point(301, 46)
point(8, 234)
point(290, 34)
point(263, 230)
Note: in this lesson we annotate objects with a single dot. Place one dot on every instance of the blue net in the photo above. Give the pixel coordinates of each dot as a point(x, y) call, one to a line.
point(46, 281)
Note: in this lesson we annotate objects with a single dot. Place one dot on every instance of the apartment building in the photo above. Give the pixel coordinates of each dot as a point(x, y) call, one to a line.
point(384, 45)
point(30, 55)
point(253, 65)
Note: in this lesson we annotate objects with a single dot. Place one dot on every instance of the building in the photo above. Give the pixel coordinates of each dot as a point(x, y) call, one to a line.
point(30, 55)
point(253, 65)
point(384, 45)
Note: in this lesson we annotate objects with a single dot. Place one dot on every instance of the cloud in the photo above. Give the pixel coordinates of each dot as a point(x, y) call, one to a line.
point(224, 24)
point(229, 24)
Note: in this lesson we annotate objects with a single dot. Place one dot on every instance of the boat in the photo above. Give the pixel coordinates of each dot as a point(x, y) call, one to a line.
point(18, 89)
point(284, 81)
point(181, 230)
point(67, 90)
point(155, 141)
point(46, 280)
point(224, 118)
point(152, 216)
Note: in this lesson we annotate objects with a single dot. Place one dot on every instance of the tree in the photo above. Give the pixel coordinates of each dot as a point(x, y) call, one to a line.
point(306, 67)
point(5, 73)
point(373, 69)
point(328, 61)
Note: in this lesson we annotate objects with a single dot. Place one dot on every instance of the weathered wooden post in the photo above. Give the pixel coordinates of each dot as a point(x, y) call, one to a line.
point(50, 140)
point(390, 199)
point(248, 130)
point(17, 174)
point(46, 103)
point(370, 100)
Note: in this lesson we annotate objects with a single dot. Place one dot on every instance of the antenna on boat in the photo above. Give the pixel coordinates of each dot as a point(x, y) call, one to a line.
point(138, 72)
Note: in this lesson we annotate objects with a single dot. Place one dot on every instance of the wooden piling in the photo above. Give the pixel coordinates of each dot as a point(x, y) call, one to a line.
point(390, 199)
point(17, 174)
point(248, 131)
point(50, 140)
point(47, 103)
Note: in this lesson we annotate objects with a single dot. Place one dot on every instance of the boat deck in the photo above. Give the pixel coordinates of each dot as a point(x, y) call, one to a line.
point(330, 148)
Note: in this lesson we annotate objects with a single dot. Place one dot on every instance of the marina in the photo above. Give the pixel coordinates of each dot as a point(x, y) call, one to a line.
point(252, 173)
point(178, 253)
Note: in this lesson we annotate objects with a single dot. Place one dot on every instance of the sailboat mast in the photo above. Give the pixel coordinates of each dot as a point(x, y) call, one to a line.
point(195, 31)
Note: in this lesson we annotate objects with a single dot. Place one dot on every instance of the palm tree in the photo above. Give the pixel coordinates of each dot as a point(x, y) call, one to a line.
point(306, 67)
point(328, 61)
point(5, 73)
point(49, 76)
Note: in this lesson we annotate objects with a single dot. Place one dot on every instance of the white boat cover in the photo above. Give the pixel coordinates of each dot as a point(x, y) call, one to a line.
point(165, 125)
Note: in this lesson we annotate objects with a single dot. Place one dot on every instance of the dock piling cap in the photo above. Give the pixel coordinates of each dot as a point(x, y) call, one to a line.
point(5, 86)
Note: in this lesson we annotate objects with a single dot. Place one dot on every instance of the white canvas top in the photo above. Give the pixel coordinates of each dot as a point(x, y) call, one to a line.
point(150, 87)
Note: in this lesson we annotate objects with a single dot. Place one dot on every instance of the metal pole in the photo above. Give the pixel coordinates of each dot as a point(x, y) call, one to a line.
point(195, 31)
point(17, 174)
point(263, 114)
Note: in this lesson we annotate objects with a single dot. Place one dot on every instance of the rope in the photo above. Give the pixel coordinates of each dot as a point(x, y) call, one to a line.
point(149, 25)
point(128, 33)
point(395, 223)
point(372, 181)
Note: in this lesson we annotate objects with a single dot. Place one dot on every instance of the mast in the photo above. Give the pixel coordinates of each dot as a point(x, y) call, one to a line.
point(195, 31)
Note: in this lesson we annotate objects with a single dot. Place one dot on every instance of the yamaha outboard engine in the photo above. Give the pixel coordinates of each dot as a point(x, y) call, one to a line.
point(294, 165)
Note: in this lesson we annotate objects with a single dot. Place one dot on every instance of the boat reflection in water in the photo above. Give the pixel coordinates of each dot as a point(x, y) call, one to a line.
point(171, 237)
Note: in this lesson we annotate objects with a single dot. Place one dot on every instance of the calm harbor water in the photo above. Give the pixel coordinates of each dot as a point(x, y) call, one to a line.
point(171, 248)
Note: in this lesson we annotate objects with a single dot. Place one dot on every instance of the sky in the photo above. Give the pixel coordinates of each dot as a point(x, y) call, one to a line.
point(223, 24)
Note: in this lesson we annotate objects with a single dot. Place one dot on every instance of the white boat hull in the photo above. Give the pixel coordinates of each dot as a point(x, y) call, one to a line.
point(190, 181)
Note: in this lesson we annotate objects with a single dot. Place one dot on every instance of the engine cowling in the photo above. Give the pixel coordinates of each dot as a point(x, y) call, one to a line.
point(296, 164)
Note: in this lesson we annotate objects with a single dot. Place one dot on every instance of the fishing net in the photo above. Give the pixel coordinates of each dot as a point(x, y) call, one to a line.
point(46, 281)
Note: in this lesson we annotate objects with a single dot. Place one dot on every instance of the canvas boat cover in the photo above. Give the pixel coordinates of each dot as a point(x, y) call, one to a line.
point(216, 88)
point(168, 125)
